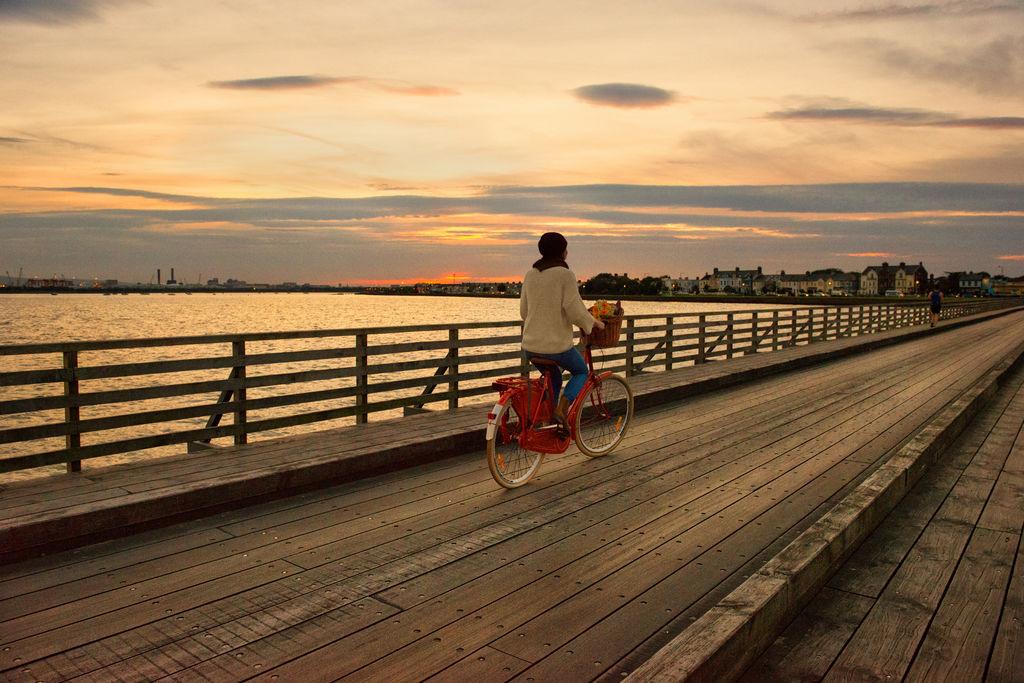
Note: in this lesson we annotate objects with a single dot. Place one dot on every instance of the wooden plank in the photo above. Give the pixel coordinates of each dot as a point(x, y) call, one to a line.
point(992, 459)
point(869, 569)
point(235, 662)
point(808, 646)
point(888, 638)
point(486, 664)
point(1004, 510)
point(966, 501)
point(43, 642)
point(959, 638)
point(1006, 663)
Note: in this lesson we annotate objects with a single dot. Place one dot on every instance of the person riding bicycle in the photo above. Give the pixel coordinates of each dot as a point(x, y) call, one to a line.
point(550, 304)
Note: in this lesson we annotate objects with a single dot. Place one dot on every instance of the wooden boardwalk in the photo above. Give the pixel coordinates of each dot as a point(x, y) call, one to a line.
point(937, 592)
point(434, 572)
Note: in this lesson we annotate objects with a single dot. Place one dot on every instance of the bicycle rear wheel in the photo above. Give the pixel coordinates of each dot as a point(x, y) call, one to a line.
point(604, 414)
point(511, 465)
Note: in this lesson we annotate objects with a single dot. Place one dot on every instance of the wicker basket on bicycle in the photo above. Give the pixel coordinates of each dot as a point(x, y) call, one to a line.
point(609, 336)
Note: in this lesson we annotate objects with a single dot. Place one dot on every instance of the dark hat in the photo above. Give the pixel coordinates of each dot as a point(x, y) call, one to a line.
point(552, 245)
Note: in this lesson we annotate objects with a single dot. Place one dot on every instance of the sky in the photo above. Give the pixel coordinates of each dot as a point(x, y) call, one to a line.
point(392, 141)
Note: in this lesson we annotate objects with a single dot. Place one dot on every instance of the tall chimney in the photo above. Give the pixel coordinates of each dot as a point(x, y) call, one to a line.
point(158, 281)
point(172, 273)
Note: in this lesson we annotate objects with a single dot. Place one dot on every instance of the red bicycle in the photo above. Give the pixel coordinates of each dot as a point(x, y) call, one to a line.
point(521, 426)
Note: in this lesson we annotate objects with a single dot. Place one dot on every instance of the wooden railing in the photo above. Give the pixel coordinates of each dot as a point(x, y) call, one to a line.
point(340, 375)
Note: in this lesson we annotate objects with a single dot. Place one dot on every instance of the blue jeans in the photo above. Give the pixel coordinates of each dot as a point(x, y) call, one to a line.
point(571, 360)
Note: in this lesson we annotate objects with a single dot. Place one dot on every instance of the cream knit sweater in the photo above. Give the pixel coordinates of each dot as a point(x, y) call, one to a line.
point(550, 305)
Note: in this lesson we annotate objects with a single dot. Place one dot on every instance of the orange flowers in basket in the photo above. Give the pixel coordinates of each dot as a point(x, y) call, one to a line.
point(611, 316)
point(604, 309)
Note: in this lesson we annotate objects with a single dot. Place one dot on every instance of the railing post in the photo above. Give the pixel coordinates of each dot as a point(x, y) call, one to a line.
point(792, 327)
point(810, 325)
point(729, 320)
point(775, 330)
point(824, 324)
point(362, 379)
point(754, 341)
point(669, 341)
point(73, 439)
point(629, 347)
point(524, 364)
point(241, 416)
point(702, 339)
point(453, 368)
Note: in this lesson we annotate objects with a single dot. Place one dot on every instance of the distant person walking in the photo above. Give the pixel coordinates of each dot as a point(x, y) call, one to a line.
point(936, 302)
point(550, 304)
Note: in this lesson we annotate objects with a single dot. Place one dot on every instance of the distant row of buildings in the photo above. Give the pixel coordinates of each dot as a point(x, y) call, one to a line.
point(881, 280)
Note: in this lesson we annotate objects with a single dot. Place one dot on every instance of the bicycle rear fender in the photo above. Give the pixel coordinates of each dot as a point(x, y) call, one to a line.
point(492, 417)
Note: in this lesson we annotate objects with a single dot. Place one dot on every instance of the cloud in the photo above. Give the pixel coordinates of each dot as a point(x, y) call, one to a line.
point(862, 114)
point(952, 226)
point(992, 68)
point(308, 81)
point(997, 122)
point(281, 82)
point(13, 141)
point(895, 117)
point(1011, 257)
point(117, 192)
point(903, 11)
point(599, 204)
point(51, 12)
point(625, 95)
point(990, 163)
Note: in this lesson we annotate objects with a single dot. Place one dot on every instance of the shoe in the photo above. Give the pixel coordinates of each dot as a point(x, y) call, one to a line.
point(560, 414)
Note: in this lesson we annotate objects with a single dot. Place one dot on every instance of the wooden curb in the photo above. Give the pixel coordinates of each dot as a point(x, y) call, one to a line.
point(89, 523)
point(723, 642)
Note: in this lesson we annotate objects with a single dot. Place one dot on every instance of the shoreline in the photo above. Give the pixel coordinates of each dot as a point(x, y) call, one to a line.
point(684, 298)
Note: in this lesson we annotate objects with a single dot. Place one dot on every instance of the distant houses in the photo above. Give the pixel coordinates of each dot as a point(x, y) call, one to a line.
point(902, 279)
point(975, 284)
point(755, 281)
point(1007, 286)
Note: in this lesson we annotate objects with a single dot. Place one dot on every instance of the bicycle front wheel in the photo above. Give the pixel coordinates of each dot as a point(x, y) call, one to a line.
point(604, 414)
point(511, 465)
